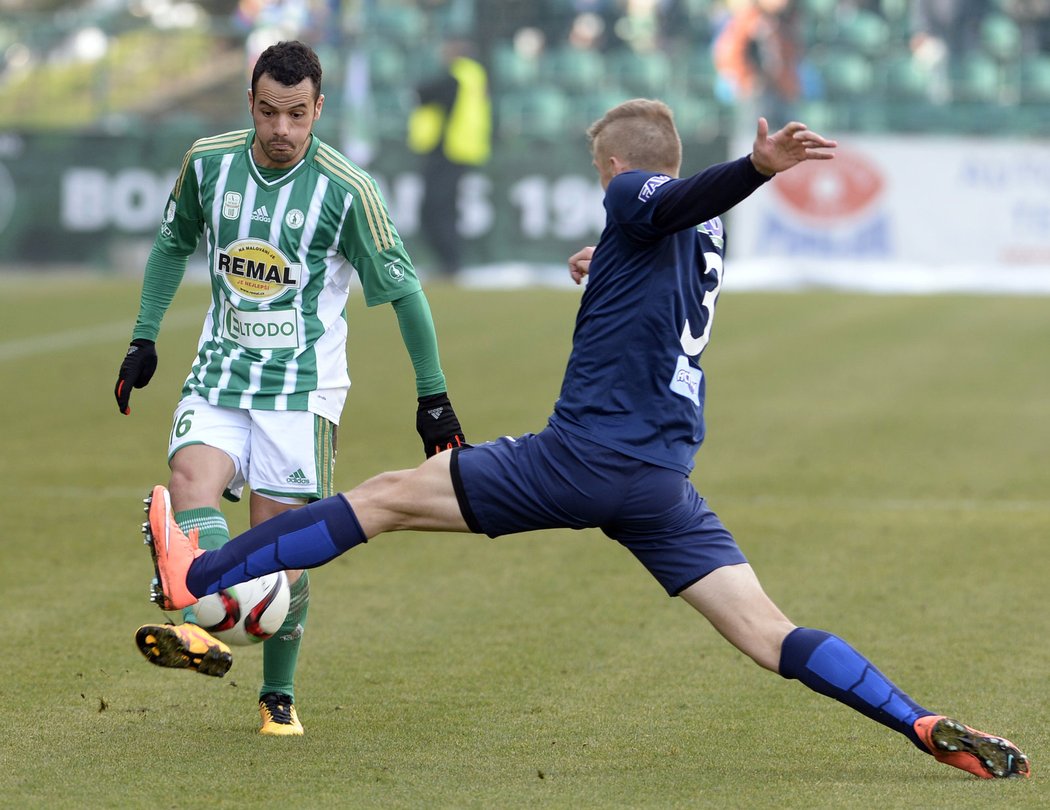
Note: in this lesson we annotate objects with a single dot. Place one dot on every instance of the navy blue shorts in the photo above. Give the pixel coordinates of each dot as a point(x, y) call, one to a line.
point(552, 480)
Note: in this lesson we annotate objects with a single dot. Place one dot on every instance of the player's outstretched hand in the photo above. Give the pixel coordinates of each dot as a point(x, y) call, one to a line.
point(788, 147)
point(580, 263)
point(438, 425)
point(135, 372)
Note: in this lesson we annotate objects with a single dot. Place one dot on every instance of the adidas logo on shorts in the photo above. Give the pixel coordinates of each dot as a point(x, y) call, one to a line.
point(297, 477)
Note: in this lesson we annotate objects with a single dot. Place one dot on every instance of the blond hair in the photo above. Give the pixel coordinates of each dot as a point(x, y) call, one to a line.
point(640, 132)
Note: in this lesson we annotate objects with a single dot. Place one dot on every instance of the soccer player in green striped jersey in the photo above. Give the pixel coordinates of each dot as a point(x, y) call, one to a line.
point(286, 220)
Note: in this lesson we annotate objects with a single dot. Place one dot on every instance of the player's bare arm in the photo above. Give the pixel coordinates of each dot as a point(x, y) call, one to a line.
point(788, 147)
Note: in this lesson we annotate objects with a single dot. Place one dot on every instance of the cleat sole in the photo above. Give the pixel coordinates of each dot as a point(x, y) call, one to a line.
point(998, 757)
point(162, 645)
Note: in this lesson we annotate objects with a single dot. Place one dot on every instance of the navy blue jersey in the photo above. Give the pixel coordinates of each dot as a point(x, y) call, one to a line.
point(633, 381)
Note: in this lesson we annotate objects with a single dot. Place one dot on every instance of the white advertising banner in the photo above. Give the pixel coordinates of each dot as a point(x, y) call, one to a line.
point(901, 214)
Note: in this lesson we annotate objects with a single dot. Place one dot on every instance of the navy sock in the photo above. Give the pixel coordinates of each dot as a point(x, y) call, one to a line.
point(299, 538)
point(828, 665)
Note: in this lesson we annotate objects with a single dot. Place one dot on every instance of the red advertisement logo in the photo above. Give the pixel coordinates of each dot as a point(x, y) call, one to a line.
point(830, 189)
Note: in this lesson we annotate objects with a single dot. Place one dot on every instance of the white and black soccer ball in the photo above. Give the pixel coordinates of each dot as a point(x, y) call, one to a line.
point(246, 613)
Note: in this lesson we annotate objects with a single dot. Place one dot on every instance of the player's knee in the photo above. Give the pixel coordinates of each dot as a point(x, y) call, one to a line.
point(380, 501)
point(187, 486)
point(198, 474)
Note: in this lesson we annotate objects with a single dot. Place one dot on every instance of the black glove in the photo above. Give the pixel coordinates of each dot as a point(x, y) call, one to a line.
point(437, 424)
point(135, 372)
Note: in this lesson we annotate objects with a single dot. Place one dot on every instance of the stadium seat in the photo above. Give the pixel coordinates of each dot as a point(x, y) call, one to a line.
point(511, 70)
point(817, 21)
point(453, 19)
point(818, 8)
point(905, 79)
point(534, 113)
point(697, 118)
point(980, 98)
point(422, 64)
point(976, 79)
point(588, 108)
point(575, 70)
point(403, 24)
point(1001, 37)
point(390, 110)
point(1035, 79)
point(862, 30)
point(897, 14)
point(918, 116)
point(819, 116)
point(700, 71)
point(845, 74)
point(386, 63)
point(642, 74)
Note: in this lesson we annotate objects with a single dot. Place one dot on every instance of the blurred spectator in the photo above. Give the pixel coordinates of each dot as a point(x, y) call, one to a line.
point(954, 23)
point(640, 27)
point(451, 126)
point(1033, 17)
point(757, 54)
point(943, 32)
point(587, 31)
point(529, 43)
point(266, 22)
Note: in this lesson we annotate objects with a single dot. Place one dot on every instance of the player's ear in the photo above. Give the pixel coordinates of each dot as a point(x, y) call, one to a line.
point(251, 101)
point(318, 105)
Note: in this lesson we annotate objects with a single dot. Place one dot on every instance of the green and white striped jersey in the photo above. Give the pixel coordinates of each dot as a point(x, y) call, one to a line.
point(281, 247)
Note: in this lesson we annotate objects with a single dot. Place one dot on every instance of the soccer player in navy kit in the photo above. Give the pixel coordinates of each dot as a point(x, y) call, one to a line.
point(617, 452)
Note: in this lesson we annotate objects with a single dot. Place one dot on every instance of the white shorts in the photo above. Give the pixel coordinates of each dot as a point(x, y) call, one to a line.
point(280, 454)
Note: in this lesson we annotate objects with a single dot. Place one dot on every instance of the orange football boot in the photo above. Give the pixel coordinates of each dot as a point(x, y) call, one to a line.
point(172, 551)
point(976, 752)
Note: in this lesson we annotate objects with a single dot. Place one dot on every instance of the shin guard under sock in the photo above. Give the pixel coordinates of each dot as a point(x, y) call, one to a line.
point(828, 665)
point(299, 538)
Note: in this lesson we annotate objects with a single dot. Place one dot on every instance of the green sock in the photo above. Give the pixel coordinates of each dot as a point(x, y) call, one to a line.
point(281, 651)
point(214, 533)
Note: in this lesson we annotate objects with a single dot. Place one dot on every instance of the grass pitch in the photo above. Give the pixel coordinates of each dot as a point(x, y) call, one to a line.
point(883, 461)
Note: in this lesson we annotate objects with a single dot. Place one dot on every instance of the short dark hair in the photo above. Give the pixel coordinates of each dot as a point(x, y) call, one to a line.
point(289, 63)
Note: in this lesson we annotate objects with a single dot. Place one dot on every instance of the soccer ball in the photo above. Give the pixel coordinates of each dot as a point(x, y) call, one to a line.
point(246, 613)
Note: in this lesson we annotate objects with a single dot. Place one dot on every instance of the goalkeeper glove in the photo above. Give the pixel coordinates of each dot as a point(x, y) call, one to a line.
point(135, 372)
point(437, 424)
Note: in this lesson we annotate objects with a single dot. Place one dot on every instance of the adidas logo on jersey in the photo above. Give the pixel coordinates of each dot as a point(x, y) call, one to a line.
point(260, 214)
point(297, 477)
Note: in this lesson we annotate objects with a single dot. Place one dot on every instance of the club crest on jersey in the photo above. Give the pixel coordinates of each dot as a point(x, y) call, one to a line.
point(231, 205)
point(256, 269)
point(651, 185)
point(396, 271)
